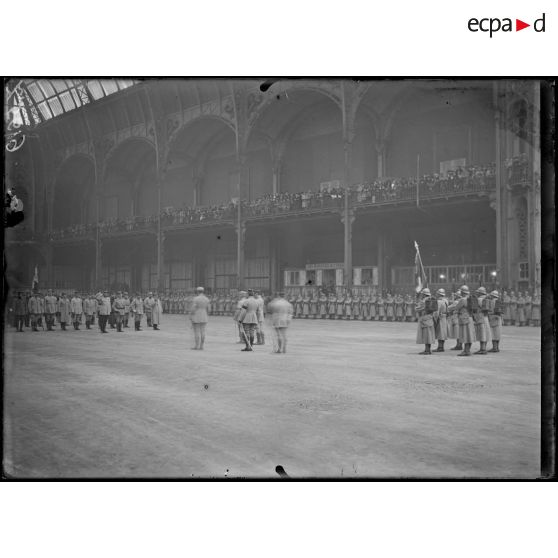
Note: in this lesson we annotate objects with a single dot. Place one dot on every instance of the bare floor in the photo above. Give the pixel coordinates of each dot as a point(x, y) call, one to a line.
point(348, 400)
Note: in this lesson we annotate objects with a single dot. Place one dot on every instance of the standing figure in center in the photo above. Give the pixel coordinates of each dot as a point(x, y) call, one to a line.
point(426, 307)
point(390, 311)
point(348, 304)
point(281, 314)
point(466, 327)
point(260, 336)
point(76, 307)
point(148, 304)
point(441, 322)
point(136, 308)
point(198, 317)
point(381, 309)
point(249, 319)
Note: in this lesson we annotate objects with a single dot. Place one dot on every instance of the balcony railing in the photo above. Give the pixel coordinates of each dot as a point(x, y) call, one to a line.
point(384, 191)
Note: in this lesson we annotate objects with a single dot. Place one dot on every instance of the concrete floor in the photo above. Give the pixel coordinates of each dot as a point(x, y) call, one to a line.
point(350, 399)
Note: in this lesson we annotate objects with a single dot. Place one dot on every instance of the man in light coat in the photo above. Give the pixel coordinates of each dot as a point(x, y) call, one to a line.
point(50, 310)
point(65, 311)
point(241, 299)
point(76, 308)
point(89, 309)
point(466, 326)
point(249, 319)
point(33, 306)
point(148, 304)
point(119, 309)
point(281, 315)
point(198, 317)
point(104, 306)
point(441, 320)
point(156, 312)
point(260, 337)
point(136, 308)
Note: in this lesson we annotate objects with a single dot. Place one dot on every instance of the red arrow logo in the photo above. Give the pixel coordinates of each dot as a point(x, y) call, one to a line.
point(519, 25)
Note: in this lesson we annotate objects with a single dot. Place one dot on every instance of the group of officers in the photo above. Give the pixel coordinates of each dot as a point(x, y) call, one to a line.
point(469, 318)
point(117, 310)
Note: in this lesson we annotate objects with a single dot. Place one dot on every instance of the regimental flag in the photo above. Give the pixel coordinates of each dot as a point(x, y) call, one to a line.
point(35, 284)
point(420, 277)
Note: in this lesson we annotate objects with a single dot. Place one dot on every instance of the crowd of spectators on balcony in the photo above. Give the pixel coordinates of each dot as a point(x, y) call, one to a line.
point(380, 190)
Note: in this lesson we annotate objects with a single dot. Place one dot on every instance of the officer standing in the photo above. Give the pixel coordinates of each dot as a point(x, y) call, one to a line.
point(33, 306)
point(20, 309)
point(198, 317)
point(425, 327)
point(119, 309)
point(156, 312)
point(480, 319)
point(126, 309)
point(466, 326)
point(50, 309)
point(260, 336)
point(495, 320)
point(249, 319)
point(76, 307)
point(65, 310)
point(136, 308)
point(104, 306)
point(89, 309)
point(281, 314)
point(148, 304)
point(441, 322)
point(236, 315)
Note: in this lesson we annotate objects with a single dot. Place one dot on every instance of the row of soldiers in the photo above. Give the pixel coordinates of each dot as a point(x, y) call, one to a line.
point(468, 319)
point(523, 310)
point(36, 310)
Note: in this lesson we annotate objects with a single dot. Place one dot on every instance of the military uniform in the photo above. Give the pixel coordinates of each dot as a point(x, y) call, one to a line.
point(50, 309)
point(136, 307)
point(322, 305)
point(399, 308)
point(441, 322)
point(409, 308)
point(521, 311)
point(89, 309)
point(76, 307)
point(466, 326)
point(513, 308)
point(364, 307)
point(425, 327)
point(236, 315)
point(536, 310)
point(148, 304)
point(281, 314)
point(506, 301)
point(331, 304)
point(20, 309)
point(390, 310)
point(381, 309)
point(305, 306)
point(528, 308)
point(119, 309)
point(198, 317)
point(104, 308)
point(480, 319)
point(249, 319)
point(314, 305)
point(33, 307)
point(260, 336)
point(495, 321)
point(65, 311)
point(356, 308)
point(348, 307)
point(373, 307)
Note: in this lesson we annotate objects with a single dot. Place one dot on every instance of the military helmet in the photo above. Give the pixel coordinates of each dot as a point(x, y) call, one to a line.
point(481, 290)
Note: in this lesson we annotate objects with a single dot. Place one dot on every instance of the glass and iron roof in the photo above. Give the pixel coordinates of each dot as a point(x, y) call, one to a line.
point(39, 100)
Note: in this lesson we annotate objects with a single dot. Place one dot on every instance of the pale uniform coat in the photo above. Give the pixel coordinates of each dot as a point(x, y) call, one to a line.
point(200, 306)
point(466, 326)
point(425, 325)
point(64, 307)
point(441, 325)
point(281, 312)
point(251, 307)
point(495, 321)
point(50, 305)
point(482, 328)
point(156, 312)
point(104, 306)
point(76, 307)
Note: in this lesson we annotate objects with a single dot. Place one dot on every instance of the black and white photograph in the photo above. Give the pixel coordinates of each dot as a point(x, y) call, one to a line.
point(290, 278)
